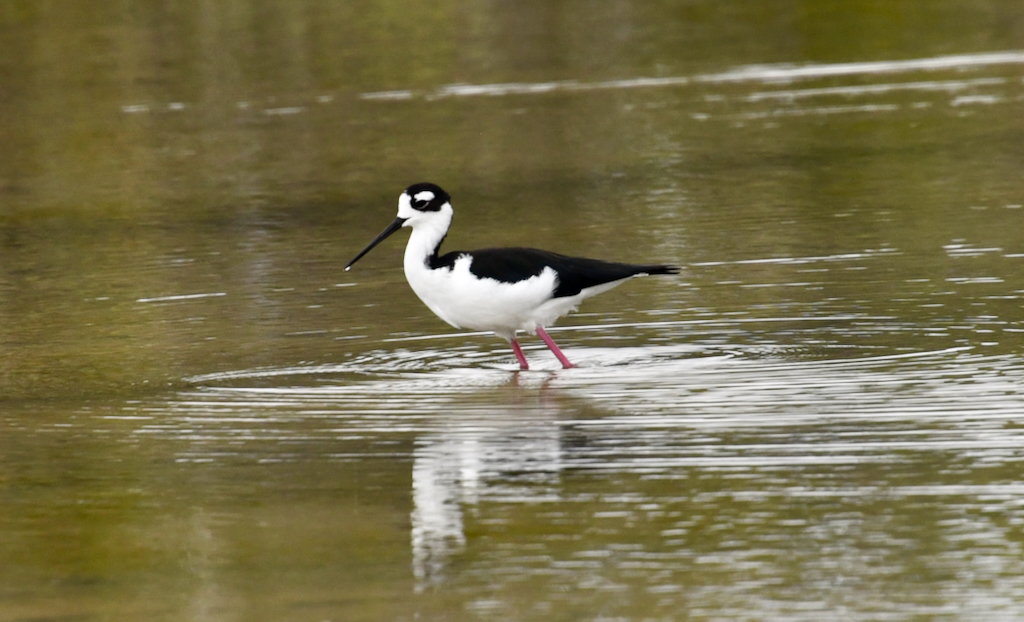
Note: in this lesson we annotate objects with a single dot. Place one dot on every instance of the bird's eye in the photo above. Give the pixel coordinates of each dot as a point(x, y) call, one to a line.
point(421, 199)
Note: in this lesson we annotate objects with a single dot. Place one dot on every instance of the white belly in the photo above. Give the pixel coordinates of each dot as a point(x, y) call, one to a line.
point(467, 301)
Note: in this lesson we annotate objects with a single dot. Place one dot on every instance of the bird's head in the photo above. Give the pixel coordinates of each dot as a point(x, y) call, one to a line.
point(423, 205)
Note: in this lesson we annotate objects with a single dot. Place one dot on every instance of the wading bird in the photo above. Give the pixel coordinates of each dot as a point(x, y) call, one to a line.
point(502, 290)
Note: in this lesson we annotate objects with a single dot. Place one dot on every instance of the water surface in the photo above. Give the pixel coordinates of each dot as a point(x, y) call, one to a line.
point(203, 417)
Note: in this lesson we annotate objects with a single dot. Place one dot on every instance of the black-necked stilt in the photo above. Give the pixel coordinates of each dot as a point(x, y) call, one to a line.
point(503, 290)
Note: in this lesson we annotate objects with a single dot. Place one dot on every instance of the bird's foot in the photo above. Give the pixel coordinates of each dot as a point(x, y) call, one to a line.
point(523, 365)
point(554, 348)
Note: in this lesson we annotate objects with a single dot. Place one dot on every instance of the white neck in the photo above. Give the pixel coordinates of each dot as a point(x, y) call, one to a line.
point(427, 232)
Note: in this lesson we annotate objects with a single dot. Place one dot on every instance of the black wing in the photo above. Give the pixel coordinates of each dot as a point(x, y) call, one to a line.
point(511, 265)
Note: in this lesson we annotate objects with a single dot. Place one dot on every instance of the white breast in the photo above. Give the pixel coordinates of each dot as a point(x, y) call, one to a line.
point(464, 300)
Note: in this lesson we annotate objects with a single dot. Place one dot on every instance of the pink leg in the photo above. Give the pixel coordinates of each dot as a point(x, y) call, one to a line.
point(519, 355)
point(554, 348)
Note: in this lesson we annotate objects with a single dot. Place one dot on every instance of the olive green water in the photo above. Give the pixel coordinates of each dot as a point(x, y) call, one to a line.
point(202, 417)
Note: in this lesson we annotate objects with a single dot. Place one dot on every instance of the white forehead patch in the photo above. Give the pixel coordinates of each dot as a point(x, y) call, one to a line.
point(425, 195)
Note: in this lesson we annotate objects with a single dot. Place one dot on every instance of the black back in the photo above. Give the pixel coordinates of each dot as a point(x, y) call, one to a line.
point(511, 265)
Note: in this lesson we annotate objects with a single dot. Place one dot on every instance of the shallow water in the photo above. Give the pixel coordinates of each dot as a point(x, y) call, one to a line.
point(203, 417)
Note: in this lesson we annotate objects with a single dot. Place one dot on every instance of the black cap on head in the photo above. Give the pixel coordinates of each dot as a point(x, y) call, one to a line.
point(426, 197)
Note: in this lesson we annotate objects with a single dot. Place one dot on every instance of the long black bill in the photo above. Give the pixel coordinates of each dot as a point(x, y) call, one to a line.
point(395, 226)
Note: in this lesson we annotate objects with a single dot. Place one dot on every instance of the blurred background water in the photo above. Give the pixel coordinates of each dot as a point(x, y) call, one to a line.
point(203, 417)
